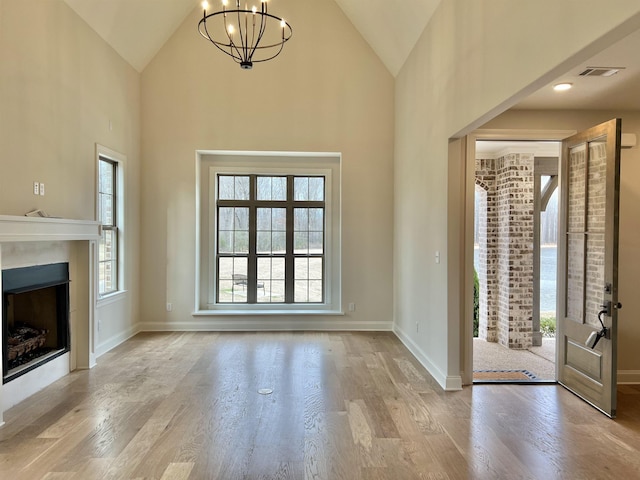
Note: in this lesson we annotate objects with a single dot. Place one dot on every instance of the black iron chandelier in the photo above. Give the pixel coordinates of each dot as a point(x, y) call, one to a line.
point(247, 35)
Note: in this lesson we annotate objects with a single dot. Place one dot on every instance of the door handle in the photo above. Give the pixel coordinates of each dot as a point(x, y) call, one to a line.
point(595, 336)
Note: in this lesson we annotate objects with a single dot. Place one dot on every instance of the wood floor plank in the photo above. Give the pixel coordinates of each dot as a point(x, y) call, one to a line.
point(177, 471)
point(343, 405)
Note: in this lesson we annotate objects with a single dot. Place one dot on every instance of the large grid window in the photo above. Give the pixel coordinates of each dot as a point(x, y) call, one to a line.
point(107, 216)
point(270, 239)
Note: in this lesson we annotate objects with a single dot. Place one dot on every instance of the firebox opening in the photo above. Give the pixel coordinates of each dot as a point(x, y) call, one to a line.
point(35, 317)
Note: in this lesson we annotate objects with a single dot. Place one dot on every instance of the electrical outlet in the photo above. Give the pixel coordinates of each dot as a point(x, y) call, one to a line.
point(36, 188)
point(169, 307)
point(42, 189)
point(352, 307)
point(417, 327)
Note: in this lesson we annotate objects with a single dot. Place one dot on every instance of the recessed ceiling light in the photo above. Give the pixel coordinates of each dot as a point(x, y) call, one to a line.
point(561, 87)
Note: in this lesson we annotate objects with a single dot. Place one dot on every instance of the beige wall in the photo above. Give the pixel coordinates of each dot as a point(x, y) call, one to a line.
point(629, 242)
point(60, 87)
point(473, 61)
point(327, 92)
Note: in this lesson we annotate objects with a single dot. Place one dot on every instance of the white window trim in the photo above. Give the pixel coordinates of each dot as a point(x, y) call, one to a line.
point(208, 165)
point(121, 161)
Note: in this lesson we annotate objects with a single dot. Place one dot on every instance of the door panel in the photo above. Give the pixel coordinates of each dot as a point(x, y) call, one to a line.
point(587, 264)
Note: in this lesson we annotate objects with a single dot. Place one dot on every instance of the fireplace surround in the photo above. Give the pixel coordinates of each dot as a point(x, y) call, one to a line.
point(31, 241)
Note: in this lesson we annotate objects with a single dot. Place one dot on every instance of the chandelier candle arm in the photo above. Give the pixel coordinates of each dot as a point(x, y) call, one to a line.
point(264, 43)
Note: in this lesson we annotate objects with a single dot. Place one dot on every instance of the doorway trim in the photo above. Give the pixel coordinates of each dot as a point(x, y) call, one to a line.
point(469, 206)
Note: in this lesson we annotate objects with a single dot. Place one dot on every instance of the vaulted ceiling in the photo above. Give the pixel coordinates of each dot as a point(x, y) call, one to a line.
point(137, 30)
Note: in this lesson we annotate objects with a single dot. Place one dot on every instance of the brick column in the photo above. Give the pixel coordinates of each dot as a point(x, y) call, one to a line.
point(514, 204)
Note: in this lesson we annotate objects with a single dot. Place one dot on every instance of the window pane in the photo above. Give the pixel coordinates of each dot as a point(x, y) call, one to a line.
point(108, 249)
point(316, 189)
point(316, 219)
point(264, 188)
point(263, 218)
point(316, 243)
point(242, 188)
point(315, 291)
point(263, 242)
point(225, 268)
point(279, 188)
point(233, 187)
point(301, 291)
point(110, 283)
point(241, 218)
point(271, 188)
point(279, 219)
point(225, 218)
point(241, 242)
point(301, 268)
point(279, 242)
point(301, 188)
point(225, 241)
point(240, 229)
point(315, 269)
point(270, 281)
point(225, 187)
point(240, 265)
point(300, 242)
point(232, 280)
point(106, 209)
point(267, 241)
point(301, 219)
point(264, 268)
point(225, 291)
point(106, 176)
point(273, 293)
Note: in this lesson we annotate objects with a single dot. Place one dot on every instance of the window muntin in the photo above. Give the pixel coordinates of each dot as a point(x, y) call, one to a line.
point(107, 216)
point(270, 239)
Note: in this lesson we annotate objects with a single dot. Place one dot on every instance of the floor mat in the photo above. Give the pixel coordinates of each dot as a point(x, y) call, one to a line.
point(503, 375)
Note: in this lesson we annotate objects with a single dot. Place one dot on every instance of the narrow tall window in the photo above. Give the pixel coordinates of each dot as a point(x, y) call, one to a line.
point(270, 244)
point(108, 217)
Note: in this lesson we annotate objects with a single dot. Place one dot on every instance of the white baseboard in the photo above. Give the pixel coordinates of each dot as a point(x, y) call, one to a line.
point(628, 377)
point(116, 340)
point(448, 383)
point(262, 324)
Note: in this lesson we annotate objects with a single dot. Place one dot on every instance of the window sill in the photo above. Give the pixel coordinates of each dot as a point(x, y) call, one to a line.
point(111, 298)
point(209, 313)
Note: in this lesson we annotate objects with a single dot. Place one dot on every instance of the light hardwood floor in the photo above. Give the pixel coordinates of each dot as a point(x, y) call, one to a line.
point(344, 406)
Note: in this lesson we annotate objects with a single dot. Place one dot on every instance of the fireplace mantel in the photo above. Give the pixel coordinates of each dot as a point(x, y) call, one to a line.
point(39, 229)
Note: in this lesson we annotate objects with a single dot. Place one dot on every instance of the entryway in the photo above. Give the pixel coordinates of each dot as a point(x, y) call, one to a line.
point(515, 254)
point(587, 289)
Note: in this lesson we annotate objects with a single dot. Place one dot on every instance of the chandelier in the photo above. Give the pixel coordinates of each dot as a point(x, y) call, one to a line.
point(247, 35)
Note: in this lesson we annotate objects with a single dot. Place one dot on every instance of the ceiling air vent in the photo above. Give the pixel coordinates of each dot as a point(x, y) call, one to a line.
point(600, 71)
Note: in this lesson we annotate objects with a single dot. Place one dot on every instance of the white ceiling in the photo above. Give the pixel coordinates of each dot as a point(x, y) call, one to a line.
point(618, 92)
point(391, 27)
point(136, 29)
point(496, 149)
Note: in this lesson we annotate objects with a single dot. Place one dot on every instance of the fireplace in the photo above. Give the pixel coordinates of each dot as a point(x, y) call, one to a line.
point(35, 317)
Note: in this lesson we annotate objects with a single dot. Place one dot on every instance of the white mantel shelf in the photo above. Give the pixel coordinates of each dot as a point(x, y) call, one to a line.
point(38, 229)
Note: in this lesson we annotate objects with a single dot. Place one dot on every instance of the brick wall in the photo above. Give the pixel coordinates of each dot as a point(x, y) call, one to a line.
point(506, 249)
